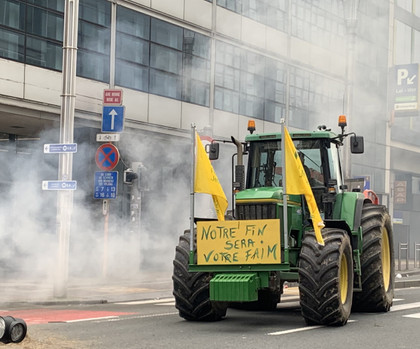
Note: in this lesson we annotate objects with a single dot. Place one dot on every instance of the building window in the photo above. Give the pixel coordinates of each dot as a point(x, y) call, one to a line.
point(93, 40)
point(320, 23)
point(249, 84)
point(161, 58)
point(227, 77)
point(12, 45)
point(39, 24)
point(274, 90)
point(196, 68)
point(233, 5)
point(402, 43)
point(133, 49)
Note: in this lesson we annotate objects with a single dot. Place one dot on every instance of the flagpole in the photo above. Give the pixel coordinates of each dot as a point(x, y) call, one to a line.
point(283, 172)
point(192, 192)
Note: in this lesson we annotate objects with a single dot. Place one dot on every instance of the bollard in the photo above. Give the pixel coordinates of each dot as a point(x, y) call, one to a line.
point(403, 246)
point(416, 250)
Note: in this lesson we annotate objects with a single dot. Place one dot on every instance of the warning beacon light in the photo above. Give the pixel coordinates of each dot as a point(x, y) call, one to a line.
point(342, 122)
point(12, 330)
point(251, 126)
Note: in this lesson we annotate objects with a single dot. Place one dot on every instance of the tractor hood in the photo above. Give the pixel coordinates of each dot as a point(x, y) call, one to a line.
point(274, 193)
point(266, 194)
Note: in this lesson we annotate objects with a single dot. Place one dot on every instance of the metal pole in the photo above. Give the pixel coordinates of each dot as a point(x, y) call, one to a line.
point(283, 174)
point(65, 197)
point(192, 190)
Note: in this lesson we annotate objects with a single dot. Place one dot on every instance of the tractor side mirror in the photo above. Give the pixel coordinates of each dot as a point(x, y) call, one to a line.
point(357, 145)
point(213, 151)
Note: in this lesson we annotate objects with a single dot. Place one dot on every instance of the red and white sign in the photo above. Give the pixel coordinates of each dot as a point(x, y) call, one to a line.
point(113, 97)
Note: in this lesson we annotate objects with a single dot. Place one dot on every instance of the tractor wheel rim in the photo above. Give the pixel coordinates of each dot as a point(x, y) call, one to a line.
point(386, 258)
point(344, 279)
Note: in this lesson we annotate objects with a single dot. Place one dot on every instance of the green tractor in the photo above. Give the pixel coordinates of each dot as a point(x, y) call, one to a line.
point(245, 260)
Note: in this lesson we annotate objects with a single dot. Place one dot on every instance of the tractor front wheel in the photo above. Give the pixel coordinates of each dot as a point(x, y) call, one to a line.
point(377, 261)
point(326, 278)
point(191, 289)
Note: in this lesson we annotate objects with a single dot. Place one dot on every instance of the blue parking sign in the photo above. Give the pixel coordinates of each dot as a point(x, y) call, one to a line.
point(106, 183)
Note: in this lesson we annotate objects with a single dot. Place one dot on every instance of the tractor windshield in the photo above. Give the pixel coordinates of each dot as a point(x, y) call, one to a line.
point(266, 158)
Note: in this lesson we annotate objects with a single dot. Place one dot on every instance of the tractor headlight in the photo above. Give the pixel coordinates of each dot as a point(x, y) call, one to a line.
point(12, 330)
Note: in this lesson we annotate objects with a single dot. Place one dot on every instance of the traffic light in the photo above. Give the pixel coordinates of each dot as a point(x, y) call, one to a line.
point(12, 330)
point(129, 176)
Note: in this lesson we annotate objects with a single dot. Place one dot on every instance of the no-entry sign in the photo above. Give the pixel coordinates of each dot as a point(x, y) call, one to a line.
point(107, 157)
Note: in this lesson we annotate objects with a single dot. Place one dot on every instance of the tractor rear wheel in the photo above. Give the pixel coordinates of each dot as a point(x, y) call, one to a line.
point(191, 289)
point(377, 261)
point(326, 278)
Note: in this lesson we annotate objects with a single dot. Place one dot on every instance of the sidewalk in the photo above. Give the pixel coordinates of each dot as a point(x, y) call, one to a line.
point(143, 287)
point(147, 286)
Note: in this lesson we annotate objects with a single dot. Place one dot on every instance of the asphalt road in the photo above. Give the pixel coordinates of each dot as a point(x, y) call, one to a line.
point(156, 324)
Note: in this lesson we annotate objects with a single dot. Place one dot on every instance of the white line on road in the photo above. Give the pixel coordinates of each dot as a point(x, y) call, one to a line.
point(414, 316)
point(107, 318)
point(138, 317)
point(405, 306)
point(295, 330)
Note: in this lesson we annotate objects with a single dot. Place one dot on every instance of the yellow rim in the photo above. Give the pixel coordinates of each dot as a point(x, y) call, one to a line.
point(344, 279)
point(386, 258)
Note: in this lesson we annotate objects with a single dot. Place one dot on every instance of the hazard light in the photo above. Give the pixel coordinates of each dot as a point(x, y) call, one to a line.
point(12, 330)
point(251, 126)
point(342, 121)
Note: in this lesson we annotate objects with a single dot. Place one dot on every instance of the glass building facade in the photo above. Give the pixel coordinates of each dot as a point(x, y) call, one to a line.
point(165, 59)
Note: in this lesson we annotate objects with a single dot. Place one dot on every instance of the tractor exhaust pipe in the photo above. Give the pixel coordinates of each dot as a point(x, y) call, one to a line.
point(239, 181)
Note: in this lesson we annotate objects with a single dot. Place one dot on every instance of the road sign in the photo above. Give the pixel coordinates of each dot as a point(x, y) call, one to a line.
point(106, 184)
point(107, 157)
point(400, 192)
point(113, 118)
point(107, 137)
point(113, 97)
point(60, 148)
point(59, 185)
point(406, 88)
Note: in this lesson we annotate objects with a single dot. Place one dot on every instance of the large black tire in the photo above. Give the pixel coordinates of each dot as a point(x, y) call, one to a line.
point(326, 278)
point(191, 290)
point(377, 261)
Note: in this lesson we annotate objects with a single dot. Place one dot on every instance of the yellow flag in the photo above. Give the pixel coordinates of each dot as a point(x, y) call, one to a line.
point(297, 183)
point(206, 180)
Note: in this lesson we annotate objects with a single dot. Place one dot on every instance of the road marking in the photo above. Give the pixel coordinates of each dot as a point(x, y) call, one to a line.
point(151, 301)
point(167, 304)
point(398, 299)
point(405, 306)
point(301, 329)
point(91, 319)
point(294, 330)
point(414, 316)
point(137, 317)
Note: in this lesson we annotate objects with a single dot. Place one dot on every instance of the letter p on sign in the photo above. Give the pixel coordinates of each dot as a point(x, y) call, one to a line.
point(401, 75)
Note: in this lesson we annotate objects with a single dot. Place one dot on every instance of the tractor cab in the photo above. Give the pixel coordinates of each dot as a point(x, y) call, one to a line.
point(318, 152)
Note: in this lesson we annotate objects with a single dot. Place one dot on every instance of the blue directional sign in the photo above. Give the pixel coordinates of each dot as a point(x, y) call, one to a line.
point(106, 184)
point(112, 118)
point(59, 185)
point(60, 148)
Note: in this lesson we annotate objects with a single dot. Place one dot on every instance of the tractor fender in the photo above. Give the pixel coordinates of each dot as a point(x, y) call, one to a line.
point(342, 224)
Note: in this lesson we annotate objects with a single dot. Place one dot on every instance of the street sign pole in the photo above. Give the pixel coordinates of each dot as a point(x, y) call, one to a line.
point(65, 197)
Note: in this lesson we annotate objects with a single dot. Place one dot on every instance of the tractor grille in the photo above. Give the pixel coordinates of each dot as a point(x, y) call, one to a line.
point(256, 211)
